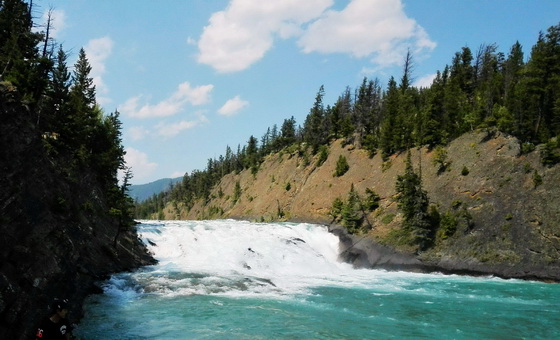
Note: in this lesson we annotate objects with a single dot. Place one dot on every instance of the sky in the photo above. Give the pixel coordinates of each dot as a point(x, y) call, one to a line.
point(190, 77)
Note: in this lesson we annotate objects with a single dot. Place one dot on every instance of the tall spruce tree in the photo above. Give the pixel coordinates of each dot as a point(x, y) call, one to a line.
point(313, 129)
point(413, 201)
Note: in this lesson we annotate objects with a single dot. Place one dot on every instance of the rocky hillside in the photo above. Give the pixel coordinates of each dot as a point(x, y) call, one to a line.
point(56, 235)
point(506, 205)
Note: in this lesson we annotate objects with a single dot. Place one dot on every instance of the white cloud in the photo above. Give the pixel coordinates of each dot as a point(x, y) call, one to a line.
point(176, 174)
point(169, 130)
point(58, 22)
point(425, 81)
point(170, 106)
point(137, 133)
point(142, 168)
point(97, 52)
point(367, 28)
point(233, 106)
point(239, 36)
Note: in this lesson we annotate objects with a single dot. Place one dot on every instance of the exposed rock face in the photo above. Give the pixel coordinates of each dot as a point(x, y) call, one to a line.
point(512, 223)
point(56, 238)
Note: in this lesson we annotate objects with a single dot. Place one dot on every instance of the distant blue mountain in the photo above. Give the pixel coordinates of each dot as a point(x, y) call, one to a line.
point(141, 192)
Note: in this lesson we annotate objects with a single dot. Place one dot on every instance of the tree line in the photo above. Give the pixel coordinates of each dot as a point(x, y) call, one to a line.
point(78, 137)
point(481, 89)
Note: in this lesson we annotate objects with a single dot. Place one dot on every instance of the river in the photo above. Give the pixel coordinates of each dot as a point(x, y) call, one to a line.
point(228, 279)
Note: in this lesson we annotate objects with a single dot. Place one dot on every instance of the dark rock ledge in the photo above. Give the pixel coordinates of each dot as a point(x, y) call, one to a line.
point(363, 252)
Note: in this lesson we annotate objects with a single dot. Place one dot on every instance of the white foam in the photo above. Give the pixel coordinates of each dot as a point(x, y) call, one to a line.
point(241, 258)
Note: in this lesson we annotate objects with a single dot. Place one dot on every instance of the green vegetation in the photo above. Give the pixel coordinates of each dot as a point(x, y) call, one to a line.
point(440, 159)
point(551, 152)
point(236, 192)
point(387, 218)
point(537, 178)
point(482, 89)
point(447, 226)
point(341, 166)
point(323, 155)
point(413, 202)
point(353, 212)
point(372, 200)
point(82, 142)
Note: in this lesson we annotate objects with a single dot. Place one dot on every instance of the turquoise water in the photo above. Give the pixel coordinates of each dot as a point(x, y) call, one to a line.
point(241, 280)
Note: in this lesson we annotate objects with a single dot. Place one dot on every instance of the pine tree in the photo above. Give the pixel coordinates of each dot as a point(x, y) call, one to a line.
point(58, 94)
point(20, 61)
point(288, 132)
point(513, 68)
point(413, 201)
point(351, 214)
point(390, 113)
point(314, 126)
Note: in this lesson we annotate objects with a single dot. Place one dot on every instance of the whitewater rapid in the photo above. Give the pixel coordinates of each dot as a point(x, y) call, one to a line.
point(240, 280)
point(232, 258)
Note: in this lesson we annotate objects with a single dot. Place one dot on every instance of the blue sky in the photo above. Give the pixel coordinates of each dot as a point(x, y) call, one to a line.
point(191, 77)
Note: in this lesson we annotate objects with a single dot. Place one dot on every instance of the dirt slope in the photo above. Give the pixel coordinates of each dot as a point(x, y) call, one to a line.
point(514, 224)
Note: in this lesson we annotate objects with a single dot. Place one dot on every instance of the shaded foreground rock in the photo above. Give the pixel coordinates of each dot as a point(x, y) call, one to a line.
point(56, 236)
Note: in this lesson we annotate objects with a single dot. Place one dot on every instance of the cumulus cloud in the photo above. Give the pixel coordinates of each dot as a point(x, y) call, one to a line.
point(170, 106)
point(58, 22)
point(425, 81)
point(233, 106)
point(138, 161)
point(239, 36)
point(97, 52)
point(367, 28)
point(137, 133)
point(169, 130)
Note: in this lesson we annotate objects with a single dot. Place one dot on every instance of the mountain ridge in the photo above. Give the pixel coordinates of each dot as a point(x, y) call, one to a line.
point(141, 192)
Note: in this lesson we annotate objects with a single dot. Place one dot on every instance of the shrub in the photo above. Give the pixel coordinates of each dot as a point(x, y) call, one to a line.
point(341, 166)
point(372, 200)
point(288, 186)
point(447, 226)
point(336, 208)
point(537, 178)
point(456, 204)
point(550, 155)
point(388, 218)
point(465, 171)
point(440, 159)
point(236, 192)
point(323, 155)
point(527, 148)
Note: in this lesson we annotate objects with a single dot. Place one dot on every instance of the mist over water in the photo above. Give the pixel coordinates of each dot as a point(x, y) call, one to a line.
point(238, 280)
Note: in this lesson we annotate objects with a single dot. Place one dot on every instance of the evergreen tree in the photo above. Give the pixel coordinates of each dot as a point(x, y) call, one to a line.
point(390, 113)
point(413, 201)
point(341, 166)
point(512, 74)
point(351, 213)
point(313, 130)
point(288, 132)
point(542, 85)
point(57, 119)
point(20, 61)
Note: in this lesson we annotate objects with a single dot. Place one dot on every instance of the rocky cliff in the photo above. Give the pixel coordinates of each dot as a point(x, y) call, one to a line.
point(56, 236)
point(506, 205)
